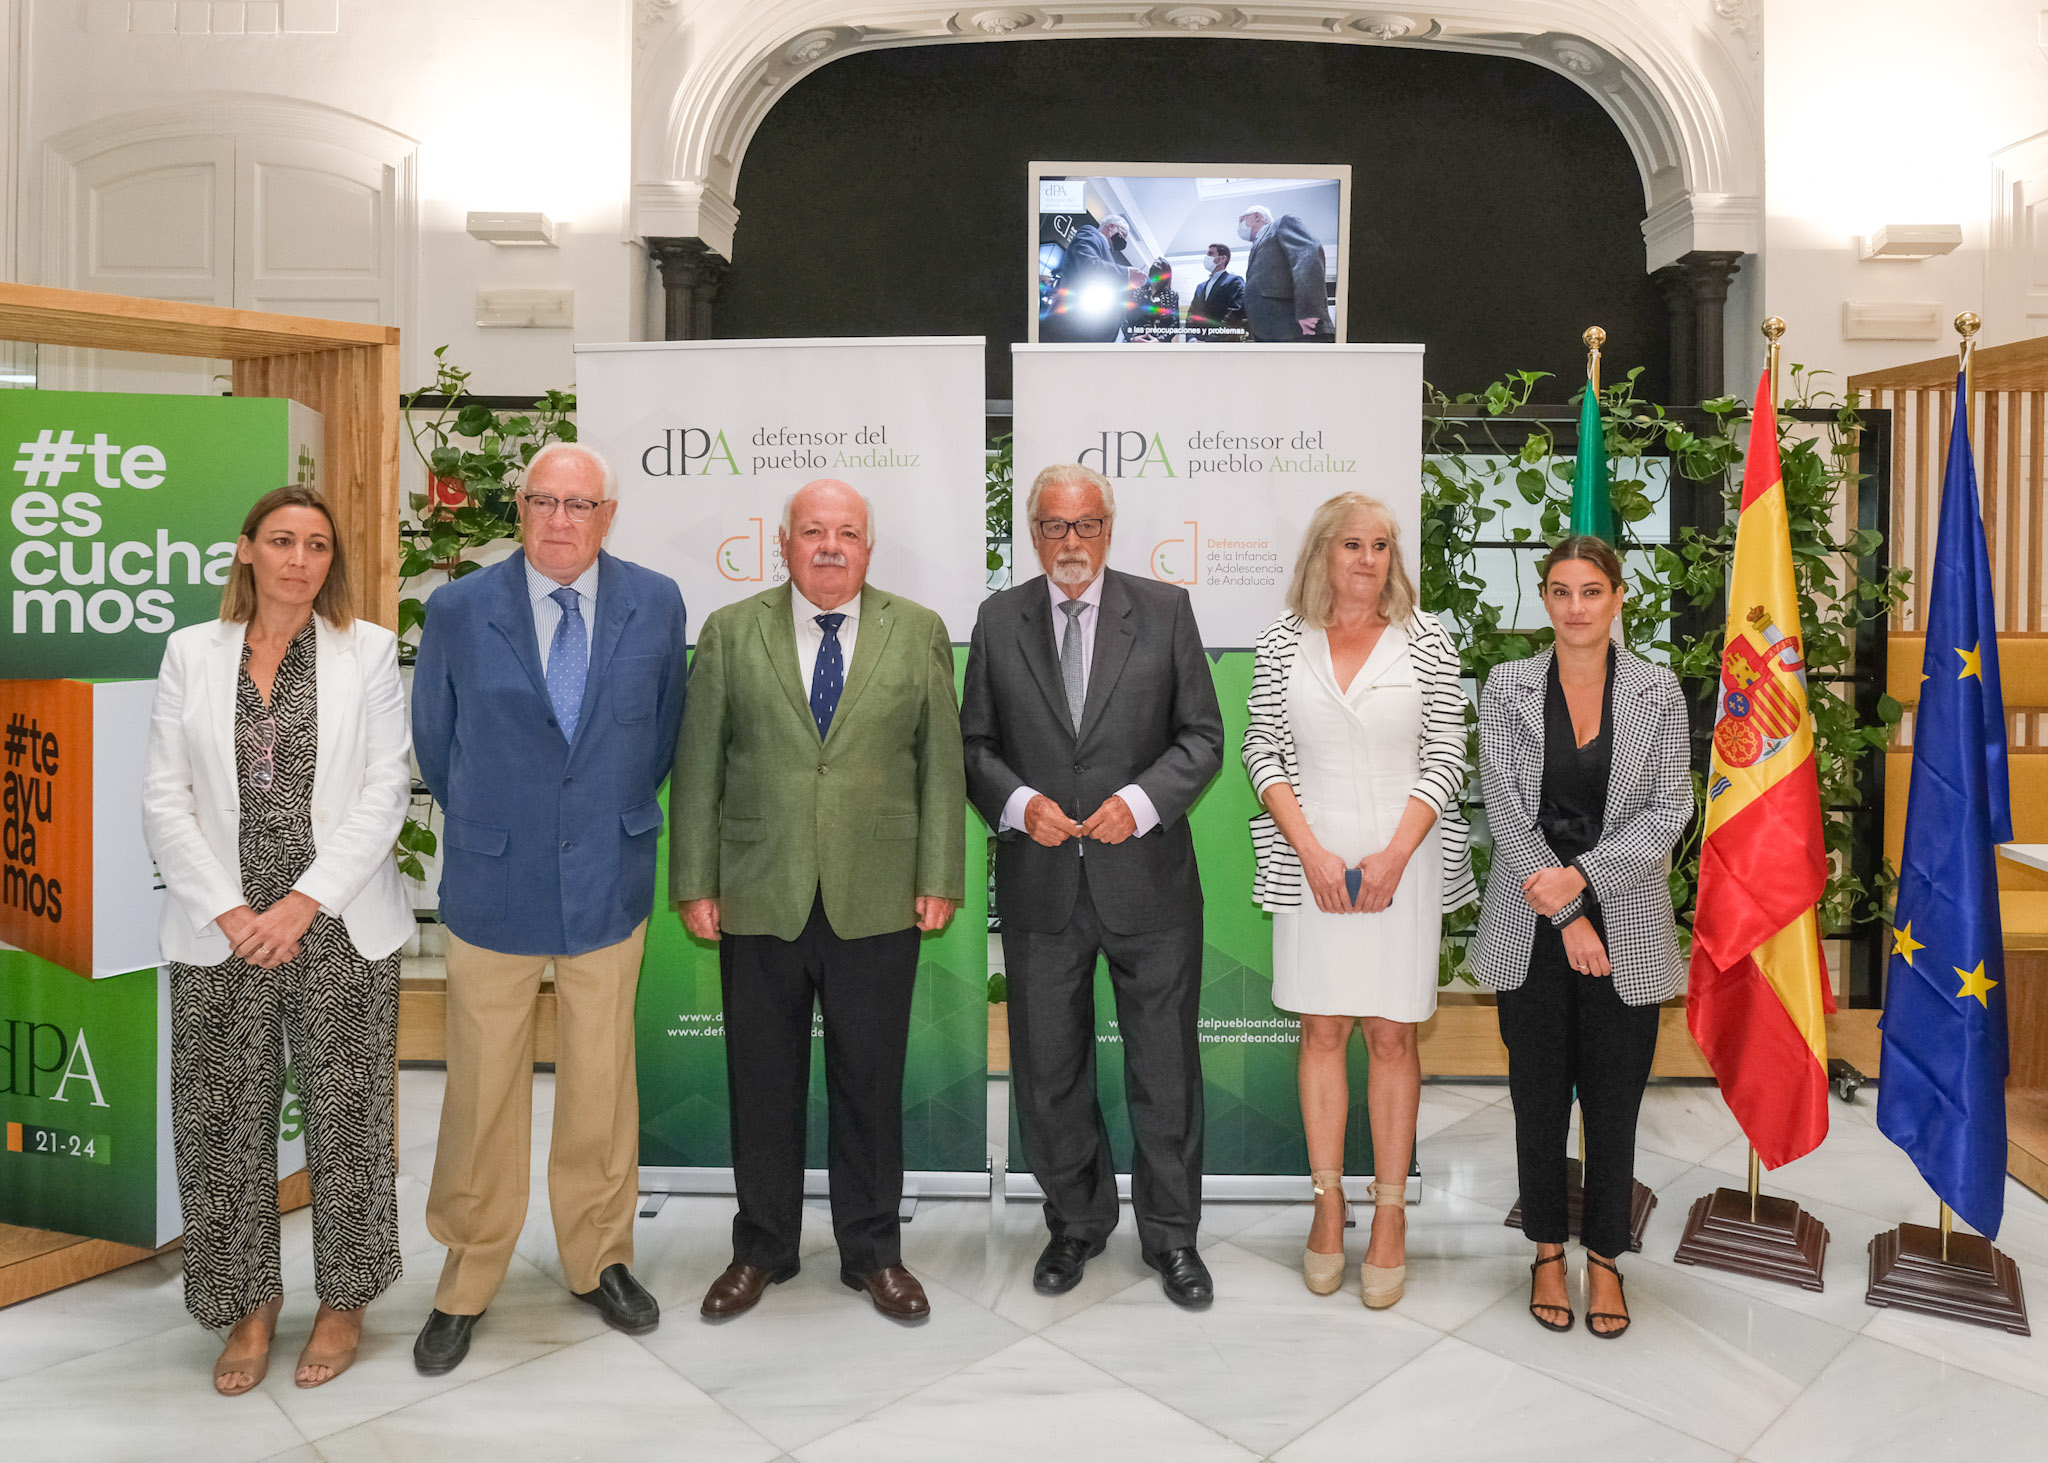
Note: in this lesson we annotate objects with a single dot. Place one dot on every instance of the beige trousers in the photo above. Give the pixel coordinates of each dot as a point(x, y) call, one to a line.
point(482, 1166)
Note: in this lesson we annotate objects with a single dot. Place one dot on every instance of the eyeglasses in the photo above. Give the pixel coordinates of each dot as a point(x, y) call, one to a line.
point(543, 505)
point(1056, 528)
point(263, 771)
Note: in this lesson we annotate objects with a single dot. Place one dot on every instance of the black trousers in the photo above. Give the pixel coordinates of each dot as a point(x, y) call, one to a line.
point(864, 988)
point(1565, 1032)
point(1157, 980)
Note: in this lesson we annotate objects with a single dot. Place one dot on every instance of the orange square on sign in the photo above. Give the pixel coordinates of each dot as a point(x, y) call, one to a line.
point(46, 820)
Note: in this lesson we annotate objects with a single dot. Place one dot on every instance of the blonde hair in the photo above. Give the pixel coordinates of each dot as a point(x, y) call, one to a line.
point(1310, 594)
point(238, 599)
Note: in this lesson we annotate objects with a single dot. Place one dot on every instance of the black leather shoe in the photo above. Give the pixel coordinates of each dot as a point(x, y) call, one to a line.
point(443, 1342)
point(1184, 1277)
point(623, 1301)
point(1060, 1265)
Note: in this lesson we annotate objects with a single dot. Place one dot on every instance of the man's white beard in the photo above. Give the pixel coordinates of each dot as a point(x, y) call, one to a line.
point(1072, 569)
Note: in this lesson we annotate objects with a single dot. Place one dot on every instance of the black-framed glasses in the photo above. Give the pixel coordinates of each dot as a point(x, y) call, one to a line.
point(1056, 528)
point(543, 505)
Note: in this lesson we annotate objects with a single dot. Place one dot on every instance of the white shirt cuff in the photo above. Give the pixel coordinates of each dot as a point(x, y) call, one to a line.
point(1142, 812)
point(1013, 810)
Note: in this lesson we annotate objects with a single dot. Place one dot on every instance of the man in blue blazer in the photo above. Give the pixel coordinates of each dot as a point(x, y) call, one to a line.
point(546, 701)
point(1217, 311)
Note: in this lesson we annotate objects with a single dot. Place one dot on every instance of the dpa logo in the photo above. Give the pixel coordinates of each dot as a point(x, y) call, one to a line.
point(689, 452)
point(1127, 453)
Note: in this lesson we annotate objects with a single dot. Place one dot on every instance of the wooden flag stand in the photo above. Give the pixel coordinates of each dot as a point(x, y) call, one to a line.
point(1938, 1272)
point(1641, 1200)
point(1751, 1234)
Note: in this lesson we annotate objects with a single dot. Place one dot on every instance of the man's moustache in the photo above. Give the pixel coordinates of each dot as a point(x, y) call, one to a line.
point(828, 559)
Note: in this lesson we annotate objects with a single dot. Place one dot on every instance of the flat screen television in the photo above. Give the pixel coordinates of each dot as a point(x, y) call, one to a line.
point(1189, 253)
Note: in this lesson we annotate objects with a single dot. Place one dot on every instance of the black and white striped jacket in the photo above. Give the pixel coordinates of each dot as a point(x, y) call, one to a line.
point(1649, 799)
point(1269, 756)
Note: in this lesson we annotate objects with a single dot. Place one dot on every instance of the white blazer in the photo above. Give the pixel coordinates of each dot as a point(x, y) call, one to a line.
point(191, 794)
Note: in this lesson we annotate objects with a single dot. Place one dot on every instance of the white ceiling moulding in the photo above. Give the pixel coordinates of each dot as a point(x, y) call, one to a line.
point(1911, 241)
point(1891, 320)
point(1680, 88)
point(213, 17)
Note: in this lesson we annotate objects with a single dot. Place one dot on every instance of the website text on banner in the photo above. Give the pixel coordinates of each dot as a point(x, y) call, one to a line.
point(709, 439)
point(1218, 459)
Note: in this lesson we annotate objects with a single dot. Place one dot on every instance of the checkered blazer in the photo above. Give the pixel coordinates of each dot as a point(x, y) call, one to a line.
point(1269, 756)
point(1649, 799)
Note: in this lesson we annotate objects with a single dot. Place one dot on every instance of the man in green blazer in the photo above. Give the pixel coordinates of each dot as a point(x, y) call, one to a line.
point(818, 830)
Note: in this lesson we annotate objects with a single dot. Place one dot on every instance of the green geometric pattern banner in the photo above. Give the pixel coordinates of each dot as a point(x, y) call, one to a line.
point(685, 1117)
point(78, 1101)
point(1252, 1105)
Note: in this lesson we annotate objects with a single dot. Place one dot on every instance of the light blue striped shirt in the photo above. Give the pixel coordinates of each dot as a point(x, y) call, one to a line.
point(547, 614)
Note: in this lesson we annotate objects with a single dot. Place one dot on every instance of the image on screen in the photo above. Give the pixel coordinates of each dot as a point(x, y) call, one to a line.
point(1188, 253)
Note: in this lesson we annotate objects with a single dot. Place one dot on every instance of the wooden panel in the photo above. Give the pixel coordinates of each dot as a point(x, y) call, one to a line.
point(423, 1022)
point(356, 389)
point(167, 327)
point(37, 1261)
point(2019, 366)
point(2022, 668)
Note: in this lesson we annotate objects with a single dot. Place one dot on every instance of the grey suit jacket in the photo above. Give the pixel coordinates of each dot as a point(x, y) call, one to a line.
point(1649, 800)
point(1150, 718)
point(1283, 283)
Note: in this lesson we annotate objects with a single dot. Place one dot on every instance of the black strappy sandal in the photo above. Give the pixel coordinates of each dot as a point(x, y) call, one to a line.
point(1537, 1310)
point(1593, 1315)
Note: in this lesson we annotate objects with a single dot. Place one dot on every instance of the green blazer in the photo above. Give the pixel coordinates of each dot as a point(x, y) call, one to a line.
point(764, 813)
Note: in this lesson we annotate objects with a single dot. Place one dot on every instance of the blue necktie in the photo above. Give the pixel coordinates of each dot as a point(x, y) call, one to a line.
point(568, 662)
point(828, 677)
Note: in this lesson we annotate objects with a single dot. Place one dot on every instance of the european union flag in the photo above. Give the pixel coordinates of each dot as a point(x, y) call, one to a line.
point(1941, 1096)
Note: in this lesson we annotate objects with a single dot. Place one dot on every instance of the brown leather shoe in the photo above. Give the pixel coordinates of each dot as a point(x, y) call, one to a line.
point(739, 1289)
point(894, 1291)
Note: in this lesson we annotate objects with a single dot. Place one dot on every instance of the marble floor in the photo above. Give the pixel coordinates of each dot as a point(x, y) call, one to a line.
point(1715, 1367)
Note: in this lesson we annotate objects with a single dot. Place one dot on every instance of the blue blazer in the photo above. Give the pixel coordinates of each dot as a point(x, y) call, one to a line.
point(549, 845)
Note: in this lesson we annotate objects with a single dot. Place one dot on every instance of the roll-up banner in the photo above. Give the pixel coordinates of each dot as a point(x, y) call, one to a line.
point(1219, 458)
point(709, 440)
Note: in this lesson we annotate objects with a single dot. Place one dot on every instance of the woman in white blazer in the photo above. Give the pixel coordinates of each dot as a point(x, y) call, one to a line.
point(1583, 757)
point(1356, 748)
point(277, 782)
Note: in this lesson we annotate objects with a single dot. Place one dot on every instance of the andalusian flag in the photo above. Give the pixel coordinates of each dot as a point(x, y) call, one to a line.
point(1945, 1056)
point(1759, 987)
point(1592, 505)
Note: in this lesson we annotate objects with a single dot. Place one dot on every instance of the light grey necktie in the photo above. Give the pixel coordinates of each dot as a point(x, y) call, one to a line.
point(1070, 659)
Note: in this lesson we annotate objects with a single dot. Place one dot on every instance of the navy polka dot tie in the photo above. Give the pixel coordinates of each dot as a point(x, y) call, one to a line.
point(568, 662)
point(828, 677)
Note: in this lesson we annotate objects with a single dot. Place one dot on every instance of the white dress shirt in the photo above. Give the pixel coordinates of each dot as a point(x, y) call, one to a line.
point(1142, 811)
point(810, 635)
point(547, 614)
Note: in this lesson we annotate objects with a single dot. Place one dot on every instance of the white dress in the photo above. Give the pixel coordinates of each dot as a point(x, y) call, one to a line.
point(1358, 755)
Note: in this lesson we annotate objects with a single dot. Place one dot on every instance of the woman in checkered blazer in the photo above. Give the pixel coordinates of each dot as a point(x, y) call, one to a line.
point(1356, 748)
point(1583, 757)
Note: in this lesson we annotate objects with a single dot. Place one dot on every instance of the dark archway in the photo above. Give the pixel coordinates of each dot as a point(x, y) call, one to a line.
point(1496, 210)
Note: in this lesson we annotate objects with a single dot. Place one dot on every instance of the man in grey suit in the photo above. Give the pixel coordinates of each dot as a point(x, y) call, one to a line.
point(1090, 726)
point(1284, 295)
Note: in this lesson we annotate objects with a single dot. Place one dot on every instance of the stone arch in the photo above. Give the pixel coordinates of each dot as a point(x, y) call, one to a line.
point(1684, 93)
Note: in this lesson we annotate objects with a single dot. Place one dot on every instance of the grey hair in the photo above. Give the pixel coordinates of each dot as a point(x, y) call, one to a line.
point(1068, 472)
point(1263, 210)
point(1114, 218)
point(866, 503)
point(576, 449)
point(1310, 593)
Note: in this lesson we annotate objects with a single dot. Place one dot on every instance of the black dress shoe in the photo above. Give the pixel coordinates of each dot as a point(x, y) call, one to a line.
point(1184, 1276)
point(443, 1342)
point(1060, 1265)
point(623, 1301)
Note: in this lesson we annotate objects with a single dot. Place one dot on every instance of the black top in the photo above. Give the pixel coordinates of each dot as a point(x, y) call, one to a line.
point(1574, 804)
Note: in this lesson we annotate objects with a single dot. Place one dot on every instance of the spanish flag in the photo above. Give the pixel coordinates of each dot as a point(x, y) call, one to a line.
point(1759, 986)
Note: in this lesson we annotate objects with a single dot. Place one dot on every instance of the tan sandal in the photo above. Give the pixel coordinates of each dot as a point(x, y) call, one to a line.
point(1379, 1286)
point(255, 1365)
point(336, 1362)
point(1325, 1273)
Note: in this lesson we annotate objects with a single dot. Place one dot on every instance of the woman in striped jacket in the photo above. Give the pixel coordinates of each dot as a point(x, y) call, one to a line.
point(1356, 749)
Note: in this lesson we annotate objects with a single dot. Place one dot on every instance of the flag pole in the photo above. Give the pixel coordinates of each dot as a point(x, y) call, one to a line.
point(1594, 338)
point(1967, 325)
point(1774, 331)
